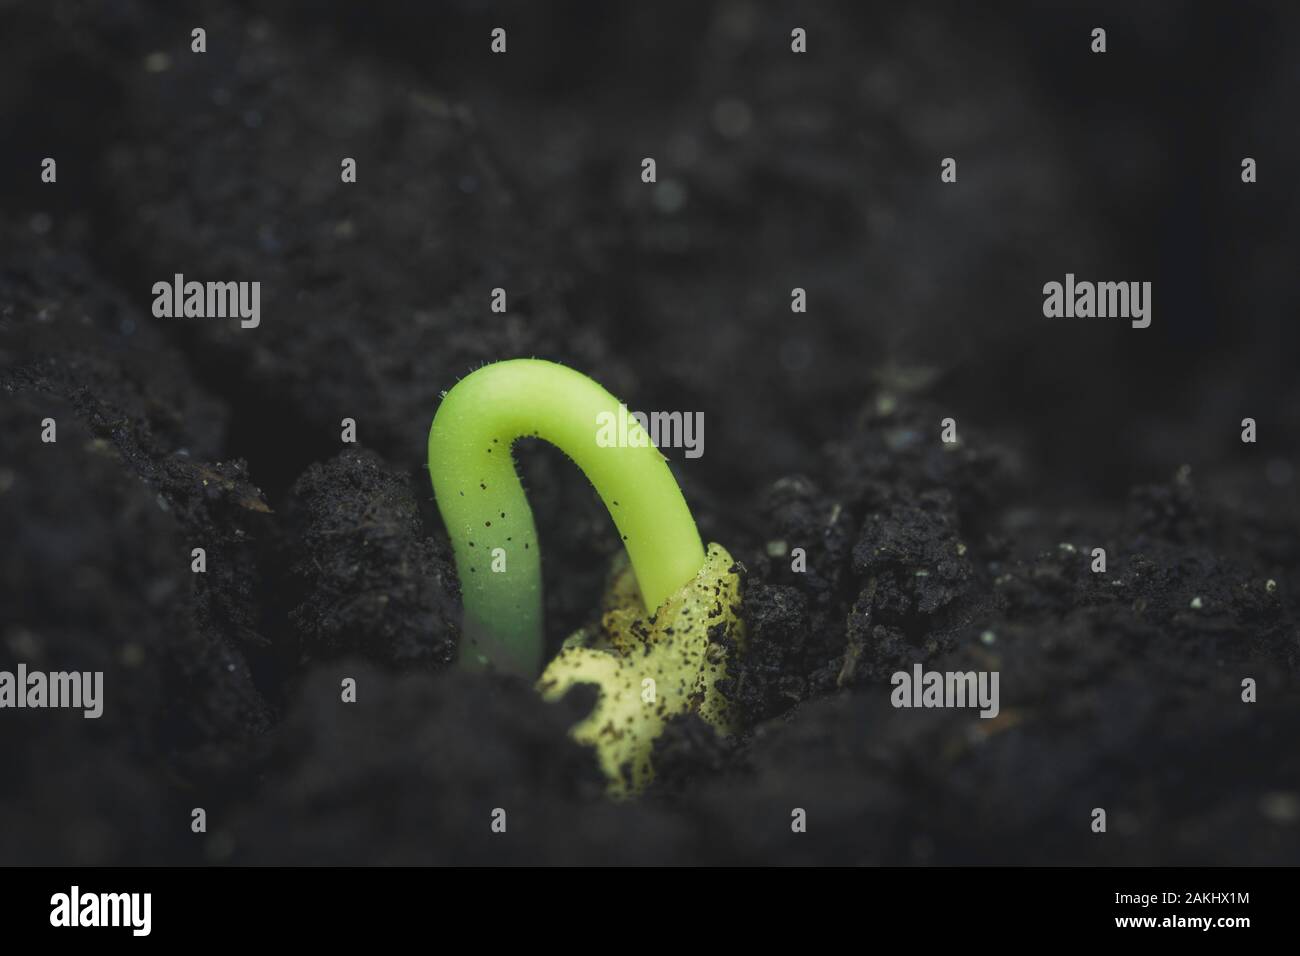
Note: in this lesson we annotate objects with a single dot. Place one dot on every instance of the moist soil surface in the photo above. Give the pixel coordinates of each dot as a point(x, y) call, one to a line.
point(1120, 690)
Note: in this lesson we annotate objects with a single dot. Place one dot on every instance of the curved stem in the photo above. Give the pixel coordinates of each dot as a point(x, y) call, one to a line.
point(491, 525)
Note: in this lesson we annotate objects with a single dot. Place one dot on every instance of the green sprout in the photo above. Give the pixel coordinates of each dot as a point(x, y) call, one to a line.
point(491, 525)
point(670, 622)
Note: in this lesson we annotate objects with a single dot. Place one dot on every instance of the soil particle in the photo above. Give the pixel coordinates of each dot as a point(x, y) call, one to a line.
point(364, 577)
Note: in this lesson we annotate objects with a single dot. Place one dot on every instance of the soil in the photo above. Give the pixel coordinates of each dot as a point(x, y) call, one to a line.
point(1120, 690)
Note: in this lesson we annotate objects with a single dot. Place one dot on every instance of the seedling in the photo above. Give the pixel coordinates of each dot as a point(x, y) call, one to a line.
point(670, 623)
point(491, 525)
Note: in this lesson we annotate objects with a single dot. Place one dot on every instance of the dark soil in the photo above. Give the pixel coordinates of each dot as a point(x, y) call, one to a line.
point(328, 561)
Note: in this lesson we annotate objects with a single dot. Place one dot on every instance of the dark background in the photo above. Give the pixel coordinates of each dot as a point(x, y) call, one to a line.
point(775, 170)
